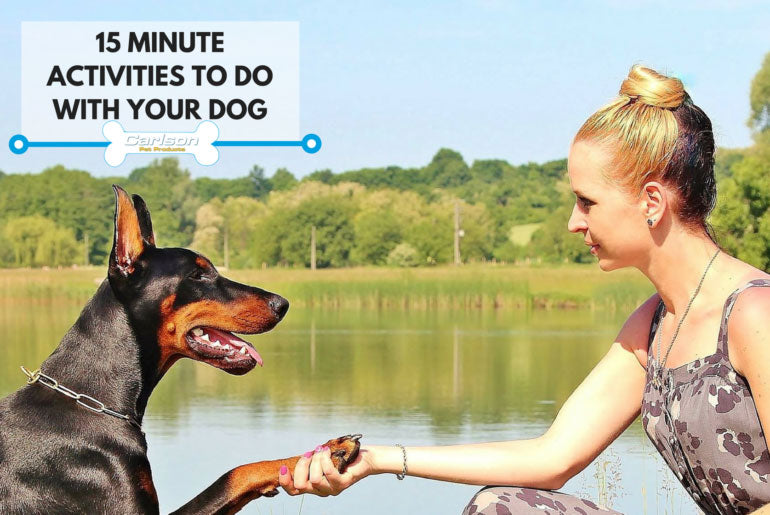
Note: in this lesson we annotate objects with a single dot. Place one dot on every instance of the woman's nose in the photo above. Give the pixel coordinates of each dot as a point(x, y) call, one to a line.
point(576, 221)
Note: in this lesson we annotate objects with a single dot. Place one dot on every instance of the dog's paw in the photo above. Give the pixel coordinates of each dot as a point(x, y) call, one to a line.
point(344, 450)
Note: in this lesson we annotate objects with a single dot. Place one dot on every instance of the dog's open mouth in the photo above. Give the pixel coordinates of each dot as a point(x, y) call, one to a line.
point(223, 349)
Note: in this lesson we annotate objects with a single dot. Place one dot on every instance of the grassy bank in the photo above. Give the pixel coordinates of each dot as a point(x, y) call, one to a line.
point(467, 287)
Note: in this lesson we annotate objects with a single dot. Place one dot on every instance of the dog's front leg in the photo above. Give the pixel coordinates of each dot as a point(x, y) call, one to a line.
point(236, 488)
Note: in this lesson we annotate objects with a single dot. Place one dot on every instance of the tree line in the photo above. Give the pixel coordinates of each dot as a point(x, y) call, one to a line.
point(367, 217)
point(61, 217)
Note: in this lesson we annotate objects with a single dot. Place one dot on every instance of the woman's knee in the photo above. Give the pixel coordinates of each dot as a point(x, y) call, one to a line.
point(510, 500)
point(501, 500)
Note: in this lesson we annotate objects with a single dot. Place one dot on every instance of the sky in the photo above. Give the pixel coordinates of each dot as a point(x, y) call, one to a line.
point(391, 83)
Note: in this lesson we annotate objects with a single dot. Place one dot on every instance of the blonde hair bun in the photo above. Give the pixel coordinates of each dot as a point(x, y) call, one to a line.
point(652, 88)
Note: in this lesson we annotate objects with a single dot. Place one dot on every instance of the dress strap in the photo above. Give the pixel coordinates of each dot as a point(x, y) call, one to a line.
point(654, 326)
point(729, 303)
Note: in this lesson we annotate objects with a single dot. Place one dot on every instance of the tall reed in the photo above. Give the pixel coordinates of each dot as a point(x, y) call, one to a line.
point(470, 287)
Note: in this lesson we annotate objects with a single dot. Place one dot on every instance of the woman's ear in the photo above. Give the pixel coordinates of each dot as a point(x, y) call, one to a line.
point(654, 202)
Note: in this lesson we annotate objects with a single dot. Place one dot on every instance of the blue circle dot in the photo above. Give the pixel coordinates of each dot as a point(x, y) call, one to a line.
point(311, 143)
point(13, 144)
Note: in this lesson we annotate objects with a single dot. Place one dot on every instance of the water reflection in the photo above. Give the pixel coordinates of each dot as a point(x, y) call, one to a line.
point(422, 377)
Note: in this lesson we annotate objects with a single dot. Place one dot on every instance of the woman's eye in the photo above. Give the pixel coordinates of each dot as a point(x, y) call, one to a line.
point(585, 203)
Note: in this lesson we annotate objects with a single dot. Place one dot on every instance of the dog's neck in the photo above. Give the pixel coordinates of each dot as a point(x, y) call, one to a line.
point(100, 356)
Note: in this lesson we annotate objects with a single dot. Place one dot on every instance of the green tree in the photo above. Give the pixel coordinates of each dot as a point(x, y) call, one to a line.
point(332, 217)
point(264, 246)
point(376, 234)
point(509, 252)
point(433, 238)
point(207, 188)
point(759, 97)
point(389, 177)
point(741, 218)
point(72, 198)
point(209, 230)
point(403, 255)
point(241, 216)
point(553, 243)
point(489, 170)
point(259, 182)
point(281, 234)
point(447, 169)
point(37, 241)
point(170, 195)
point(57, 247)
point(283, 180)
point(724, 162)
point(6, 250)
point(227, 229)
point(325, 176)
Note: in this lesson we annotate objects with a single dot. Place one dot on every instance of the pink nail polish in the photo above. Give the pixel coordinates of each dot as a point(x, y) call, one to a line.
point(319, 448)
point(325, 448)
point(284, 470)
point(308, 454)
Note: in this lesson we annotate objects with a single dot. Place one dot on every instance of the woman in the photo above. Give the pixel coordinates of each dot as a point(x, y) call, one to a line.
point(642, 170)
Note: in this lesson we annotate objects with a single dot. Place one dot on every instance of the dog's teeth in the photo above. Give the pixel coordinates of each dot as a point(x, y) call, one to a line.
point(243, 350)
point(197, 331)
point(227, 346)
point(216, 344)
point(205, 337)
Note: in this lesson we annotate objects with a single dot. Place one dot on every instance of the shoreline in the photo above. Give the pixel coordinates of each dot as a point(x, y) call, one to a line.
point(467, 287)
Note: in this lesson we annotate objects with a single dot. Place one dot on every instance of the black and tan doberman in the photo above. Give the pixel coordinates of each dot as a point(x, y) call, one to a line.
point(71, 439)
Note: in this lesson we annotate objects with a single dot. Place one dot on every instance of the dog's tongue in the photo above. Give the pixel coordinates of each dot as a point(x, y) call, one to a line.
point(225, 337)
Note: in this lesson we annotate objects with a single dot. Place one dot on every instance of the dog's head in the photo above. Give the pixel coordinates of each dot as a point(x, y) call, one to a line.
point(175, 297)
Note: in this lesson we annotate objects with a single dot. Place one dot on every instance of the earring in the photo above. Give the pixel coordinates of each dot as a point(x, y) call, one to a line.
point(650, 221)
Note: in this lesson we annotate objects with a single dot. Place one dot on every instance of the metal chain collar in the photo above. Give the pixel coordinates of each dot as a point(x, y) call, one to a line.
point(662, 364)
point(82, 399)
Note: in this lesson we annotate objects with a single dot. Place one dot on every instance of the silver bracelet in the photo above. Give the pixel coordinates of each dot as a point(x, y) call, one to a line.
point(402, 475)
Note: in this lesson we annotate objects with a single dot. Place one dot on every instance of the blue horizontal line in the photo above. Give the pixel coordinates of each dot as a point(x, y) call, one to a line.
point(257, 143)
point(104, 144)
point(68, 143)
point(216, 143)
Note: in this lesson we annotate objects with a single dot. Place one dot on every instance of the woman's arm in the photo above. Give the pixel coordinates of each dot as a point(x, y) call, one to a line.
point(604, 404)
point(749, 350)
point(749, 346)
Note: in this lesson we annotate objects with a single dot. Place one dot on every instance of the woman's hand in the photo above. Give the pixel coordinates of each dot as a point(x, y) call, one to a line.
point(315, 473)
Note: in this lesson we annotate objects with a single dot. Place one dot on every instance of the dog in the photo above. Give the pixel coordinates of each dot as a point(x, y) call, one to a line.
point(71, 439)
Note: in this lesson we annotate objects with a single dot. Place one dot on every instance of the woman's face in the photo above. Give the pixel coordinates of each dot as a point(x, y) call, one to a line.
point(612, 222)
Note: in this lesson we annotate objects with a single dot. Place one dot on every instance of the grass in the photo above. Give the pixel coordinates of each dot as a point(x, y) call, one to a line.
point(480, 286)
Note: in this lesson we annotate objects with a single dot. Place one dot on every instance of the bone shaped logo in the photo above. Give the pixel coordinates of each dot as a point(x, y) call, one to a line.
point(198, 143)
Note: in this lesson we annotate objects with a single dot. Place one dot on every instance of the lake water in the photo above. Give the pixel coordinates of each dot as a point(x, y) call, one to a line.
point(418, 378)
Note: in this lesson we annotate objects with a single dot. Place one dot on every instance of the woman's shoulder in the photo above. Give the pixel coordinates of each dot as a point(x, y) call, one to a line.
point(635, 333)
point(736, 274)
point(747, 314)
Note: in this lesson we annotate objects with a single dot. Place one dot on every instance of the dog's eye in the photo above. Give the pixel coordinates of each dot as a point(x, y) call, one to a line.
point(196, 275)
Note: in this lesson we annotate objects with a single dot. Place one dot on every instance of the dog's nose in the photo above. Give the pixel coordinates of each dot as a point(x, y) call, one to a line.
point(279, 305)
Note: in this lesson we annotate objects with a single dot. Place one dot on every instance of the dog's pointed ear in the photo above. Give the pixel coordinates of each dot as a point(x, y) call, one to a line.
point(145, 222)
point(128, 244)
